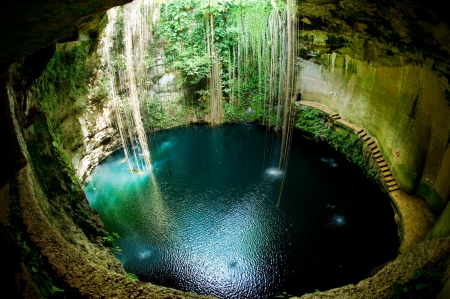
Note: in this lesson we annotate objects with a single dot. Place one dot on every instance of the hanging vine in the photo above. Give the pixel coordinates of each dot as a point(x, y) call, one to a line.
point(125, 46)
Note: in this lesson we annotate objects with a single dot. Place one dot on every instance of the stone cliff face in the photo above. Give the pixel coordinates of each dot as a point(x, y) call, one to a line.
point(383, 65)
point(98, 136)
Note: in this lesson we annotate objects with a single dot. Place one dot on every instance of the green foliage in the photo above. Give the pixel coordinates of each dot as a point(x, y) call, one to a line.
point(110, 240)
point(195, 67)
point(35, 265)
point(424, 284)
point(234, 114)
point(67, 167)
point(119, 29)
point(132, 276)
point(64, 80)
point(58, 181)
point(186, 26)
point(158, 117)
point(314, 122)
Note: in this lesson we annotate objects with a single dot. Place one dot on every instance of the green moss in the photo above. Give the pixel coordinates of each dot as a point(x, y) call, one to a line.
point(57, 179)
point(64, 80)
point(441, 229)
point(404, 177)
point(423, 189)
point(336, 42)
point(436, 202)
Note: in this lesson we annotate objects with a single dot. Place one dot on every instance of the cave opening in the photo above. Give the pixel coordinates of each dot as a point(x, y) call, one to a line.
point(79, 83)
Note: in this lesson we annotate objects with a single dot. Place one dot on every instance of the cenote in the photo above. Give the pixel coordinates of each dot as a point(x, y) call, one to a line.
point(206, 219)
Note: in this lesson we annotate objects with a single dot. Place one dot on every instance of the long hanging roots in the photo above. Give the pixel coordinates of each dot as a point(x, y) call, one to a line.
point(287, 128)
point(215, 82)
point(128, 79)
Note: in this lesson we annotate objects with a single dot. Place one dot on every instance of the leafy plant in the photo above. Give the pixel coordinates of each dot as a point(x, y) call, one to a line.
point(235, 33)
point(64, 80)
point(67, 166)
point(314, 122)
point(110, 240)
point(423, 284)
point(132, 276)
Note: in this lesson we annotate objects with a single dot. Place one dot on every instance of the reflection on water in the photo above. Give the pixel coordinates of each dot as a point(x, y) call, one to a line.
point(329, 161)
point(337, 221)
point(204, 220)
point(274, 172)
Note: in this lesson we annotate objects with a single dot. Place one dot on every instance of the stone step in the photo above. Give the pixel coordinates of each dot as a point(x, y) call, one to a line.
point(391, 183)
point(387, 173)
point(337, 117)
point(382, 164)
point(380, 160)
point(377, 154)
point(393, 188)
point(389, 178)
point(373, 146)
point(333, 114)
point(385, 168)
point(366, 137)
point(360, 131)
point(371, 142)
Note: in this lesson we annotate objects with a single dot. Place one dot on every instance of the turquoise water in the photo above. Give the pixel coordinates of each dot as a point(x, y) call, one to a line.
point(205, 219)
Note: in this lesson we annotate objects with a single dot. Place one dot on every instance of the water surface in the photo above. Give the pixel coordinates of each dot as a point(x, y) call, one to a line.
point(205, 221)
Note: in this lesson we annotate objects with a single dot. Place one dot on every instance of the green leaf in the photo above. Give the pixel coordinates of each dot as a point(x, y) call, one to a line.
point(43, 291)
point(56, 290)
point(132, 276)
point(421, 285)
point(419, 273)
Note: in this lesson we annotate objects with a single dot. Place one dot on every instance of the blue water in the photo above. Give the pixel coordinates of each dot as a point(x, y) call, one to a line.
point(205, 220)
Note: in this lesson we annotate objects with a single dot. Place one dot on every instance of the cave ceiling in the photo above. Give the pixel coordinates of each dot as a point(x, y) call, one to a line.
point(30, 25)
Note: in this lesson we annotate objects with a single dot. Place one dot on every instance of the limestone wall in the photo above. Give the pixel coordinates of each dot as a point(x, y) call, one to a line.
point(403, 107)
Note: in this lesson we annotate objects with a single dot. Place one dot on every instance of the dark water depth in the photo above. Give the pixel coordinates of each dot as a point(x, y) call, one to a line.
point(206, 221)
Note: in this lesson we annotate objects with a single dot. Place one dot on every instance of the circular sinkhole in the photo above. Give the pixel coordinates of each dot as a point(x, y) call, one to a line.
point(205, 220)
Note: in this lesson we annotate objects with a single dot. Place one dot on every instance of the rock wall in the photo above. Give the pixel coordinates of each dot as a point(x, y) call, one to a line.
point(396, 105)
point(98, 134)
point(384, 66)
point(395, 91)
point(166, 83)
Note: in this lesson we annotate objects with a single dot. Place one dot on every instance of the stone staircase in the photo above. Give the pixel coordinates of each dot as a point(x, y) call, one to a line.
point(387, 178)
point(413, 215)
point(335, 116)
point(386, 172)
